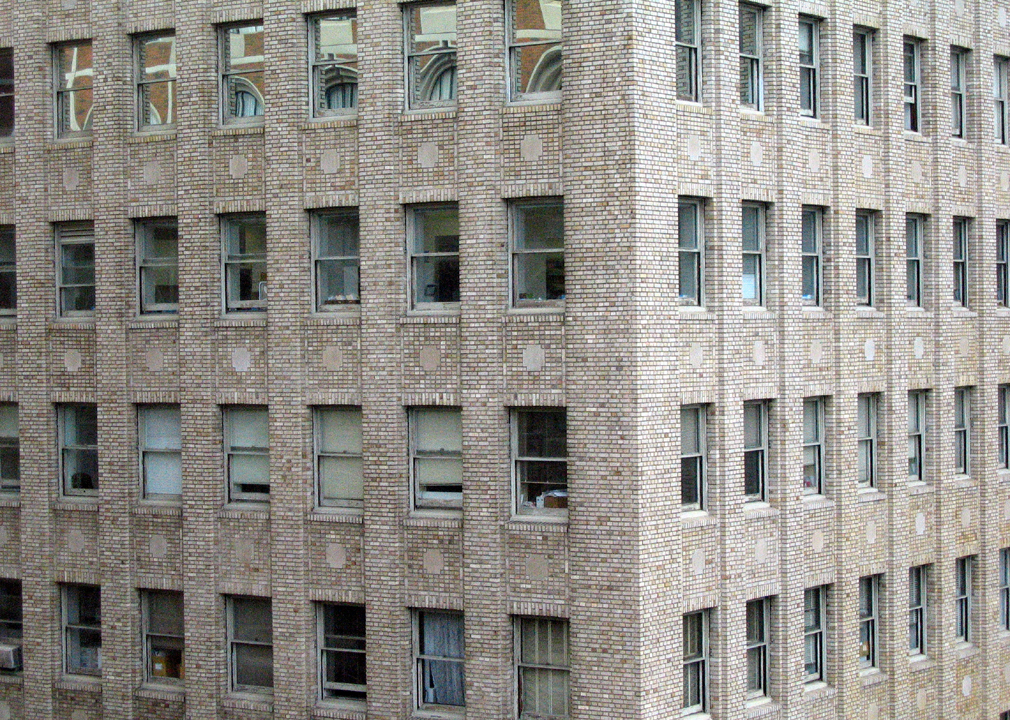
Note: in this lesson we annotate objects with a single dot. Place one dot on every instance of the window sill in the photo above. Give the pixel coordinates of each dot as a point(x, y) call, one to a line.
point(696, 518)
point(245, 319)
point(960, 311)
point(818, 690)
point(7, 146)
point(920, 663)
point(868, 312)
point(349, 315)
point(914, 136)
point(960, 141)
point(964, 650)
point(695, 715)
point(331, 121)
point(963, 481)
point(756, 311)
point(867, 130)
point(12, 678)
point(817, 502)
point(448, 519)
point(817, 311)
point(249, 701)
point(151, 508)
point(918, 310)
point(695, 312)
point(439, 714)
point(869, 495)
point(868, 677)
point(759, 707)
point(352, 516)
point(157, 691)
point(9, 500)
point(151, 322)
point(754, 510)
point(84, 323)
point(814, 123)
point(151, 136)
point(73, 143)
point(238, 129)
point(82, 505)
point(534, 524)
point(420, 317)
point(693, 106)
point(554, 316)
point(421, 114)
point(79, 683)
point(523, 108)
point(754, 115)
point(339, 709)
point(251, 511)
point(1003, 636)
point(918, 487)
point(547, 307)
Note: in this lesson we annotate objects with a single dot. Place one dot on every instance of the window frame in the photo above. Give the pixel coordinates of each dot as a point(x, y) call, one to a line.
point(867, 407)
point(810, 72)
point(917, 435)
point(692, 49)
point(812, 256)
point(226, 71)
point(964, 600)
point(10, 452)
point(869, 619)
point(962, 430)
point(12, 619)
point(67, 490)
point(332, 691)
point(1003, 426)
point(1004, 588)
point(62, 132)
point(912, 83)
point(230, 224)
point(316, 217)
point(68, 628)
point(760, 451)
point(759, 255)
point(513, 51)
point(959, 69)
point(231, 603)
point(317, 66)
point(319, 454)
point(815, 633)
point(697, 457)
point(561, 508)
point(237, 494)
point(440, 500)
point(701, 659)
point(67, 235)
point(961, 231)
point(815, 485)
point(1001, 99)
point(9, 268)
point(449, 61)
point(1003, 263)
point(140, 84)
point(142, 228)
point(143, 451)
point(866, 257)
point(863, 80)
point(420, 659)
point(7, 99)
point(517, 231)
point(149, 633)
point(757, 647)
point(918, 609)
point(519, 625)
point(695, 251)
point(915, 257)
point(754, 63)
point(414, 257)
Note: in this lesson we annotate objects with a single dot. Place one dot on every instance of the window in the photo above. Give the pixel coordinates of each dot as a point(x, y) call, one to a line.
point(158, 265)
point(336, 262)
point(156, 72)
point(436, 457)
point(542, 667)
point(242, 63)
point(913, 84)
point(438, 659)
point(866, 436)
point(755, 449)
point(690, 251)
point(250, 644)
point(810, 60)
point(753, 242)
point(812, 248)
point(247, 452)
point(862, 73)
point(1001, 98)
point(540, 461)
point(962, 431)
point(534, 28)
point(431, 55)
point(244, 240)
point(10, 452)
point(696, 657)
point(82, 630)
point(160, 451)
point(164, 639)
point(958, 90)
point(751, 56)
point(914, 255)
point(917, 594)
point(1004, 588)
point(334, 43)
point(757, 648)
point(1002, 263)
point(78, 436)
point(869, 612)
point(433, 242)
point(74, 99)
point(10, 623)
point(961, 261)
point(75, 244)
point(917, 435)
point(6, 93)
point(865, 258)
point(692, 456)
point(341, 645)
point(1003, 426)
point(338, 456)
point(538, 253)
point(813, 446)
point(964, 571)
point(8, 271)
point(688, 50)
point(813, 634)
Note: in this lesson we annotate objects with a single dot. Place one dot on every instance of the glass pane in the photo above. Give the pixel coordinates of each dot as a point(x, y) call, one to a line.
point(751, 228)
point(75, 110)
point(157, 103)
point(6, 114)
point(78, 264)
point(338, 282)
point(541, 227)
point(162, 473)
point(811, 421)
point(537, 68)
point(442, 475)
point(542, 433)
point(812, 610)
point(244, 48)
point(438, 430)
point(74, 66)
point(755, 622)
point(80, 470)
point(249, 470)
point(164, 613)
point(806, 43)
point(536, 20)
point(693, 636)
point(436, 279)
point(9, 421)
point(245, 95)
point(347, 668)
point(749, 42)
point(84, 605)
point(432, 28)
point(543, 484)
point(687, 226)
point(690, 475)
point(247, 428)
point(441, 634)
point(80, 425)
point(252, 620)
point(693, 685)
point(688, 275)
point(160, 286)
point(810, 240)
point(690, 431)
point(161, 428)
point(254, 665)
point(436, 230)
point(340, 478)
point(247, 237)
point(157, 58)
point(84, 651)
point(339, 430)
point(337, 39)
point(687, 21)
point(539, 276)
point(810, 268)
point(247, 284)
point(344, 626)
point(753, 432)
point(687, 73)
point(166, 657)
point(338, 235)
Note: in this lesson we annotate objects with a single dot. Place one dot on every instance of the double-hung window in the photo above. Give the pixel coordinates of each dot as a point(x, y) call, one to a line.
point(438, 660)
point(809, 61)
point(958, 91)
point(160, 451)
point(813, 446)
point(538, 253)
point(6, 92)
point(1001, 98)
point(244, 251)
point(1004, 588)
point(431, 55)
point(961, 261)
point(964, 591)
point(247, 452)
point(696, 660)
point(542, 667)
point(433, 245)
point(751, 56)
point(11, 619)
point(436, 457)
point(540, 460)
point(692, 456)
point(812, 247)
point(156, 73)
point(10, 451)
point(78, 437)
point(242, 73)
point(757, 647)
point(914, 257)
point(753, 244)
point(341, 643)
point(813, 633)
point(164, 638)
point(917, 598)
point(334, 43)
point(534, 34)
point(158, 265)
point(962, 430)
point(75, 244)
point(1003, 263)
point(338, 456)
point(250, 644)
point(1003, 426)
point(74, 96)
point(862, 75)
point(913, 83)
point(82, 630)
point(869, 614)
point(8, 271)
point(336, 260)
point(917, 435)
point(690, 251)
point(688, 49)
point(755, 450)
point(866, 436)
point(865, 258)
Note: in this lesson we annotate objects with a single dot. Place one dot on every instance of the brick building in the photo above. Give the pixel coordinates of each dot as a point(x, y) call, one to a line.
point(681, 390)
